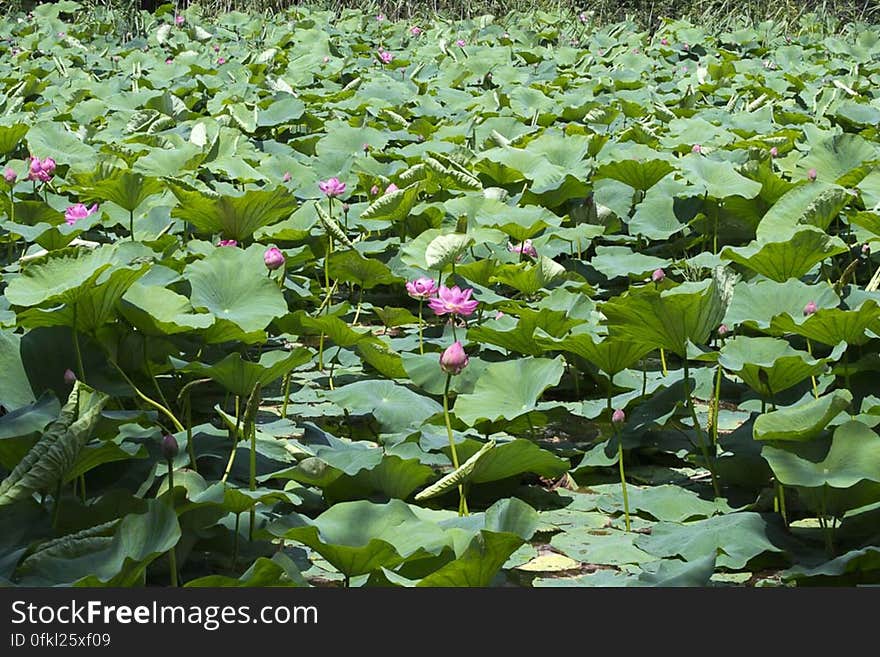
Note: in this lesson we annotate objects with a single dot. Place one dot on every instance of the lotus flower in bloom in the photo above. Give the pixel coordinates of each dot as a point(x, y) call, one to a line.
point(460, 43)
point(286, 177)
point(810, 308)
point(391, 188)
point(69, 377)
point(385, 56)
point(618, 417)
point(454, 359)
point(415, 30)
point(227, 243)
point(41, 170)
point(774, 152)
point(179, 20)
point(453, 301)
point(697, 149)
point(332, 187)
point(664, 41)
point(79, 211)
point(812, 174)
point(273, 258)
point(526, 248)
point(658, 275)
point(221, 61)
point(422, 288)
point(9, 175)
point(380, 17)
point(374, 190)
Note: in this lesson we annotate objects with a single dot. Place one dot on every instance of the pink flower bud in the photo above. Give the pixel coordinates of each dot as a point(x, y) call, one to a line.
point(286, 177)
point(221, 61)
point(170, 448)
point(696, 149)
point(9, 175)
point(415, 30)
point(810, 308)
point(664, 41)
point(812, 174)
point(618, 417)
point(774, 152)
point(180, 20)
point(723, 331)
point(658, 275)
point(69, 377)
point(273, 258)
point(391, 188)
point(227, 243)
point(374, 190)
point(460, 43)
point(454, 359)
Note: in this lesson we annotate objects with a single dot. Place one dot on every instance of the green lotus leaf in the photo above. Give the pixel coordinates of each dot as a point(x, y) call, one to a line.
point(159, 311)
point(240, 376)
point(801, 422)
point(367, 273)
point(232, 285)
point(611, 355)
point(785, 255)
point(395, 407)
point(234, 217)
point(736, 538)
point(851, 455)
point(457, 477)
point(425, 373)
point(855, 563)
point(839, 159)
point(338, 331)
point(607, 547)
point(278, 571)
point(126, 189)
point(768, 365)
point(514, 458)
point(508, 389)
point(10, 136)
point(115, 554)
point(833, 325)
point(717, 178)
point(756, 303)
point(815, 204)
point(15, 391)
point(444, 250)
point(638, 174)
point(360, 537)
point(484, 557)
point(668, 318)
point(614, 261)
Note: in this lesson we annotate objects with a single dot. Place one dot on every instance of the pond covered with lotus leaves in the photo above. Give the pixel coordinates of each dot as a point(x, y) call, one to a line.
point(324, 300)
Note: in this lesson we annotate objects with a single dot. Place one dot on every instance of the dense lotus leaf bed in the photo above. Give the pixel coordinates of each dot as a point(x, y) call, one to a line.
point(212, 240)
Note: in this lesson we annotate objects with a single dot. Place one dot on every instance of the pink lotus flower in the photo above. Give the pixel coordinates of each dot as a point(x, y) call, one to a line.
point(385, 56)
point(216, 48)
point(227, 243)
point(664, 41)
point(415, 30)
point(391, 188)
point(658, 275)
point(696, 149)
point(286, 177)
point(810, 308)
point(170, 447)
point(460, 43)
point(273, 258)
point(380, 17)
point(422, 288)
point(453, 301)
point(374, 190)
point(169, 60)
point(774, 152)
point(582, 17)
point(454, 359)
point(79, 211)
point(69, 377)
point(618, 417)
point(812, 174)
point(9, 175)
point(685, 47)
point(723, 330)
point(221, 61)
point(332, 186)
point(526, 248)
point(180, 20)
point(41, 170)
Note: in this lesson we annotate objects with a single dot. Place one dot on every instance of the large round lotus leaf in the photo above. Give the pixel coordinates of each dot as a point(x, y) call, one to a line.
point(360, 537)
point(801, 422)
point(815, 204)
point(240, 376)
point(158, 311)
point(520, 223)
point(614, 261)
point(638, 174)
point(351, 267)
point(610, 355)
point(854, 563)
point(756, 303)
point(234, 217)
point(838, 158)
point(509, 389)
point(395, 407)
point(425, 373)
point(784, 255)
point(601, 546)
point(126, 189)
point(781, 364)
point(717, 178)
point(232, 285)
point(444, 250)
point(669, 318)
point(737, 538)
point(851, 455)
point(278, 571)
point(833, 325)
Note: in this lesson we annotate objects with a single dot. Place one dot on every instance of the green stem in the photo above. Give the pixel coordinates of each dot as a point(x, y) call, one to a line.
point(286, 394)
point(421, 343)
point(622, 477)
point(82, 487)
point(699, 430)
point(780, 494)
point(716, 402)
point(172, 556)
point(234, 442)
point(177, 425)
point(462, 508)
point(235, 540)
point(812, 376)
point(131, 224)
point(663, 361)
point(190, 447)
point(81, 371)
